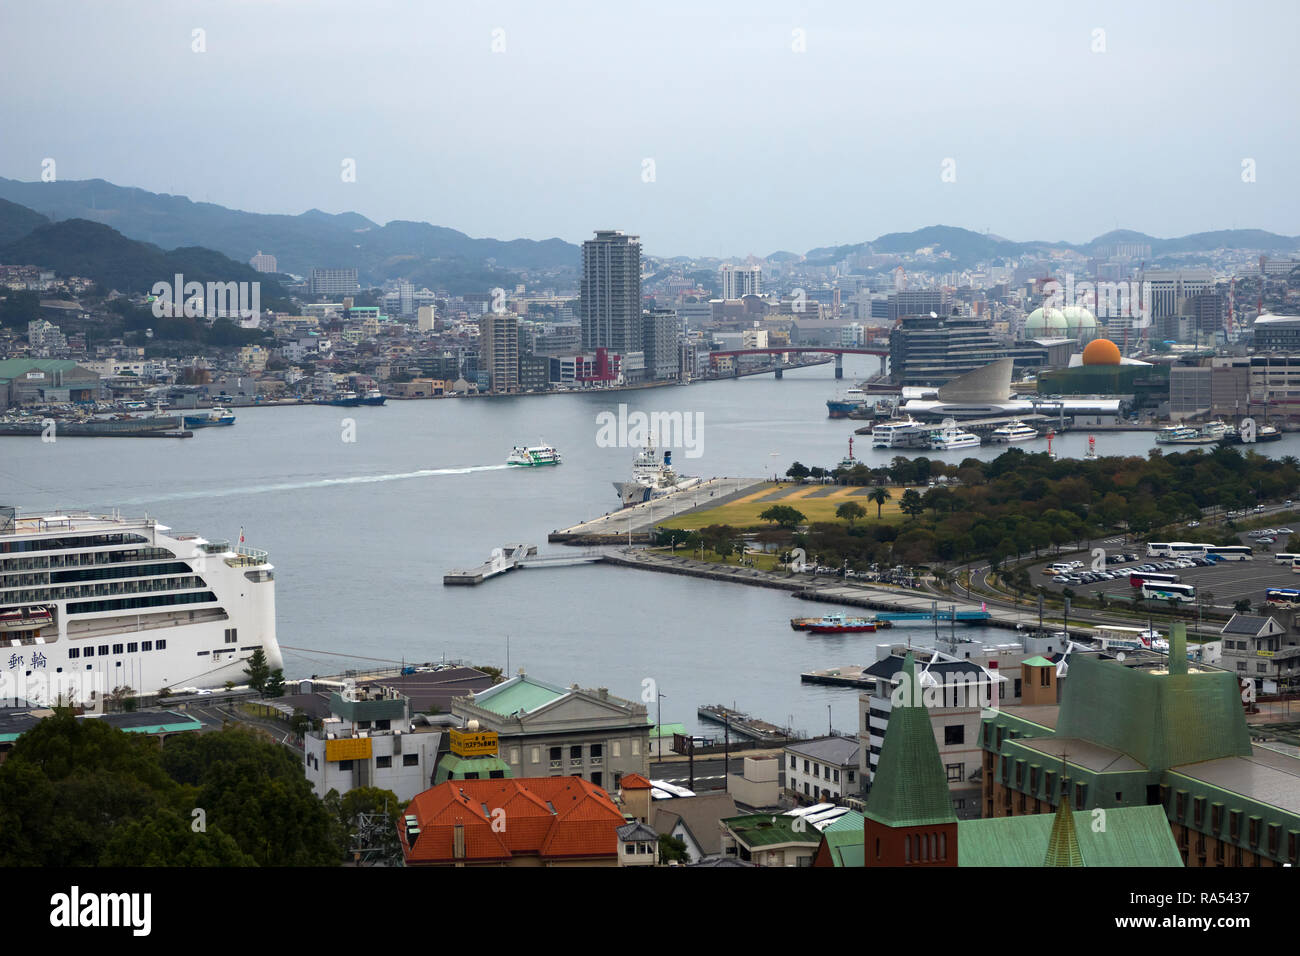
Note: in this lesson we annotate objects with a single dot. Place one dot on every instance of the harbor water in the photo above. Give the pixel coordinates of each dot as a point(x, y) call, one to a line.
point(364, 509)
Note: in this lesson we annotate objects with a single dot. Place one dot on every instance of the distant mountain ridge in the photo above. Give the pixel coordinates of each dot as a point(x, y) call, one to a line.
point(438, 256)
point(313, 239)
point(967, 247)
point(99, 252)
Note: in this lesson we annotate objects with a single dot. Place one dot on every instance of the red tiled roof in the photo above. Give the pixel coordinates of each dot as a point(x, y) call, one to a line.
point(583, 824)
point(634, 781)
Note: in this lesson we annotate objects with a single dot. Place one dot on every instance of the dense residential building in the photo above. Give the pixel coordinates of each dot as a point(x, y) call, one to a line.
point(499, 350)
point(1261, 649)
point(263, 262)
point(1277, 333)
point(1161, 735)
point(549, 730)
point(823, 769)
point(546, 821)
point(738, 281)
point(767, 840)
point(661, 338)
point(611, 292)
point(696, 821)
point(333, 282)
point(372, 738)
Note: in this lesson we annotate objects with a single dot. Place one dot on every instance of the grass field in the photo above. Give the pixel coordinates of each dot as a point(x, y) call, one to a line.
point(744, 512)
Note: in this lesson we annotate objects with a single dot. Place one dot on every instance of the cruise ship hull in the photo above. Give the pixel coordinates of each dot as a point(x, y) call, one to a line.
point(132, 605)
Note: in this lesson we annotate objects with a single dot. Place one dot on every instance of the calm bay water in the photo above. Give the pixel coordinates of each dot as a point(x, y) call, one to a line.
point(361, 533)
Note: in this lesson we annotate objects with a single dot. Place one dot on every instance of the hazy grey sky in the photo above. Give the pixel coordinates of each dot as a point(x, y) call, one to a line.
point(756, 147)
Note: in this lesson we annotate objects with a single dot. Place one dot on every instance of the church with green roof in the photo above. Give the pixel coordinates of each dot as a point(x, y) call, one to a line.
point(909, 818)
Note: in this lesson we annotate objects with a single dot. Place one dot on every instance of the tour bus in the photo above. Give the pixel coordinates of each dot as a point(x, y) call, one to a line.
point(1282, 597)
point(1230, 552)
point(1165, 591)
point(1284, 558)
point(1295, 564)
point(1136, 578)
point(1176, 549)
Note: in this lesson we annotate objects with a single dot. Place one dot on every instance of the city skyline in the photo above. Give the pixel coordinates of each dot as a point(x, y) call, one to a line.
point(1135, 127)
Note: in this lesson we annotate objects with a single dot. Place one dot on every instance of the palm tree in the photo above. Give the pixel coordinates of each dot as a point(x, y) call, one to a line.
point(879, 495)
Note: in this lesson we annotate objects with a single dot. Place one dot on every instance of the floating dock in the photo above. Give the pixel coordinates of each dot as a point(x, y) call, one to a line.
point(944, 614)
point(511, 557)
point(742, 725)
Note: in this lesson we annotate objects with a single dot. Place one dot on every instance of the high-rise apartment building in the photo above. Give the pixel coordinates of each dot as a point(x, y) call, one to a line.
point(611, 292)
point(499, 348)
point(333, 282)
point(661, 334)
point(738, 281)
point(263, 263)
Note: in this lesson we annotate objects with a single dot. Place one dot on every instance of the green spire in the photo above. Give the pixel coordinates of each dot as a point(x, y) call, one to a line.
point(1063, 844)
point(910, 788)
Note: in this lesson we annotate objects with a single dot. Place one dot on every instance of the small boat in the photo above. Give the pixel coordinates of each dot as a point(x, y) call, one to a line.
point(344, 399)
point(374, 397)
point(534, 456)
point(839, 624)
point(950, 436)
point(209, 419)
point(849, 461)
point(1013, 432)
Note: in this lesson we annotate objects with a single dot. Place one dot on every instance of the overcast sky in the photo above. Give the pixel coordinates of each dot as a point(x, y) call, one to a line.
point(755, 146)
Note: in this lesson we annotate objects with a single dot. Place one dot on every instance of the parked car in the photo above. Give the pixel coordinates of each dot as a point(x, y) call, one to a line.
point(1193, 524)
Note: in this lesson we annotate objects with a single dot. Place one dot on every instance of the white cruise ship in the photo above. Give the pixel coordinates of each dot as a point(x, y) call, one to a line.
point(899, 433)
point(950, 436)
point(90, 603)
point(1013, 432)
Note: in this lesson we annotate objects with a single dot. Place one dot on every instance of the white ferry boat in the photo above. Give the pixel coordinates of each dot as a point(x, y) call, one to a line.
point(653, 476)
point(898, 433)
point(949, 436)
point(93, 603)
point(1013, 432)
point(1187, 435)
point(533, 457)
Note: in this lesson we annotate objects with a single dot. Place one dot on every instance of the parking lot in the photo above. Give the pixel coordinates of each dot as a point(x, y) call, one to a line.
point(1220, 584)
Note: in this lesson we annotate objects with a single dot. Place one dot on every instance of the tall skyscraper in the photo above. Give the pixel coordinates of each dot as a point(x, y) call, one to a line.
point(611, 292)
point(738, 281)
point(499, 348)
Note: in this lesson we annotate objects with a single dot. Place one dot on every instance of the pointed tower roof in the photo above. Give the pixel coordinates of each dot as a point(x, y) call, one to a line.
point(910, 787)
point(1063, 844)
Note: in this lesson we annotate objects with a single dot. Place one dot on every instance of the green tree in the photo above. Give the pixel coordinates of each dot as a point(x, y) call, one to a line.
point(258, 671)
point(911, 503)
point(1242, 606)
point(850, 511)
point(672, 849)
point(879, 495)
point(168, 839)
point(797, 471)
point(255, 791)
point(275, 683)
point(783, 515)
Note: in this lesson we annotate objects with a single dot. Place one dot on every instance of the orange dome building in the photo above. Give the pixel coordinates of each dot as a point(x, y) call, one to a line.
point(1101, 352)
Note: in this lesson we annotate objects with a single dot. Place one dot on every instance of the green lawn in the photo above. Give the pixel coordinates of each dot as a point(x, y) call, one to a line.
point(744, 512)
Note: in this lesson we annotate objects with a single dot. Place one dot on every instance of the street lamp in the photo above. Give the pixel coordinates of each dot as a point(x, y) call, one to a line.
point(659, 702)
